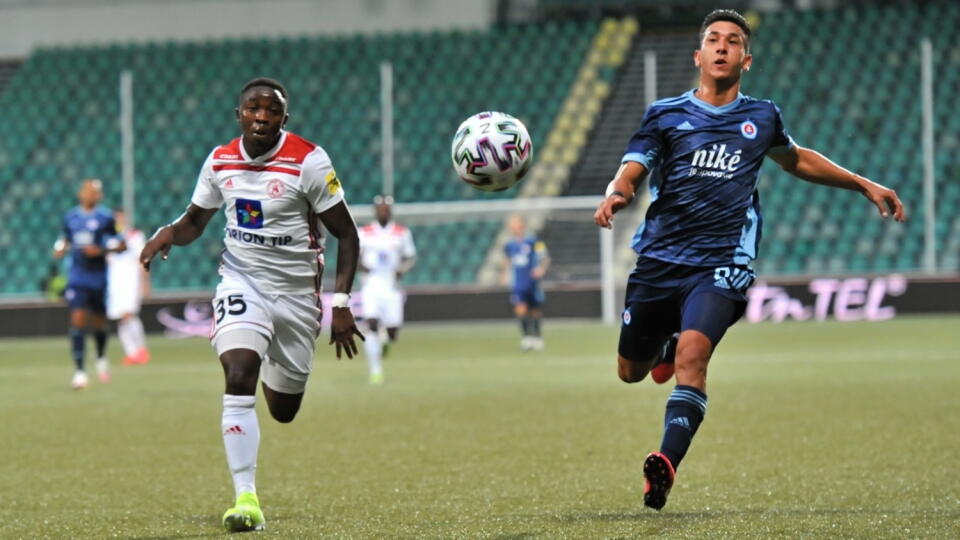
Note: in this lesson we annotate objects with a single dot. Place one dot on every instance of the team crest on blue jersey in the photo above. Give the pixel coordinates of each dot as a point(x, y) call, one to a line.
point(626, 317)
point(249, 214)
point(748, 129)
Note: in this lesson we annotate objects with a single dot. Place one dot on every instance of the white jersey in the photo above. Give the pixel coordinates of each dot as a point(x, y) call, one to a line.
point(273, 235)
point(124, 276)
point(382, 252)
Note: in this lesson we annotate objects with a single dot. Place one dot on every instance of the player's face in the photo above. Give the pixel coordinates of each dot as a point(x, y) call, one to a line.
point(262, 113)
point(723, 53)
point(516, 227)
point(90, 194)
point(383, 213)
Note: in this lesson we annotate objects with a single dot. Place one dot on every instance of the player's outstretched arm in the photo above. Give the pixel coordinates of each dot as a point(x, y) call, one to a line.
point(814, 167)
point(620, 192)
point(339, 222)
point(185, 229)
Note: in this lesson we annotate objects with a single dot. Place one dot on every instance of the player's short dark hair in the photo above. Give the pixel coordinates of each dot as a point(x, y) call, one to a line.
point(728, 15)
point(264, 81)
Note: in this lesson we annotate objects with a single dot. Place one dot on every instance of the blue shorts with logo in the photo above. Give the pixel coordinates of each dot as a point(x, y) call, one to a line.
point(531, 295)
point(664, 298)
point(93, 299)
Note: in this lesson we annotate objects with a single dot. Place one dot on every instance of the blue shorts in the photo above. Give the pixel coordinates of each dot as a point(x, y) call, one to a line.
point(664, 298)
point(93, 299)
point(532, 296)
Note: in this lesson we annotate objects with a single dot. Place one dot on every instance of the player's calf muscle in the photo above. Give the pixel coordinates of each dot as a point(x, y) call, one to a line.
point(693, 355)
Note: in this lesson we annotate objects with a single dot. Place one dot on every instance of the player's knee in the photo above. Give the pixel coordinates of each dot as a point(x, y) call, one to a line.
point(240, 374)
point(630, 371)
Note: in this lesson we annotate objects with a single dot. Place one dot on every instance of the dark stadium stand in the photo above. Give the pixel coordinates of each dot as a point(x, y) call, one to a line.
point(67, 106)
point(870, 124)
point(845, 96)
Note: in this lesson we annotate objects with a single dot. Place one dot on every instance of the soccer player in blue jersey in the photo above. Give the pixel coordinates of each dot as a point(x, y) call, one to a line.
point(702, 228)
point(525, 263)
point(89, 233)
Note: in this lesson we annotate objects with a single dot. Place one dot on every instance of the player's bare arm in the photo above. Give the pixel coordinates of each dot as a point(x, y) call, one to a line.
point(816, 168)
point(187, 228)
point(541, 269)
point(340, 223)
point(405, 266)
point(620, 192)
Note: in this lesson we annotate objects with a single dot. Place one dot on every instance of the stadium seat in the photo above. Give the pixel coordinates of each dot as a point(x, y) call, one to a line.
point(184, 94)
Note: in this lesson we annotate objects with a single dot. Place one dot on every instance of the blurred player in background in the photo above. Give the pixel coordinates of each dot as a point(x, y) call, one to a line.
point(525, 263)
point(386, 254)
point(278, 188)
point(128, 284)
point(88, 234)
point(702, 228)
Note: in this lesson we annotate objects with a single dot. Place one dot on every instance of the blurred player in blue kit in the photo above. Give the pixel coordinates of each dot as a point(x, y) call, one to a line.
point(525, 263)
point(702, 228)
point(89, 233)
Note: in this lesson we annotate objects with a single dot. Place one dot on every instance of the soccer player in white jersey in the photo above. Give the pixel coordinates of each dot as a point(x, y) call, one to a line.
point(386, 254)
point(127, 284)
point(276, 189)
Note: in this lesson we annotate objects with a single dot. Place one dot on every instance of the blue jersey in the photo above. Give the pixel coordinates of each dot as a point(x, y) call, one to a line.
point(82, 228)
point(524, 256)
point(704, 206)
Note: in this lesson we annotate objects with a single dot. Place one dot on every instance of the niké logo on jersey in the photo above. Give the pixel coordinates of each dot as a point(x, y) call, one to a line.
point(249, 214)
point(715, 162)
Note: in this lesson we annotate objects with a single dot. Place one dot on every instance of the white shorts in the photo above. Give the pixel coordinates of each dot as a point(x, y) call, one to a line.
point(123, 298)
point(384, 304)
point(290, 323)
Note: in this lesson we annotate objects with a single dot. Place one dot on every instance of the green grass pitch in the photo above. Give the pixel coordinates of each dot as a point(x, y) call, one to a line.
point(813, 430)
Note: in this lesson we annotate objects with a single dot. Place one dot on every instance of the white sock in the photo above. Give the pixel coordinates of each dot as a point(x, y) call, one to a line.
point(126, 338)
point(137, 334)
point(374, 352)
point(241, 439)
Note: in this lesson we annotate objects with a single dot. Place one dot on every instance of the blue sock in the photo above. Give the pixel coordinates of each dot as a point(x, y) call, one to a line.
point(685, 409)
point(535, 324)
point(100, 338)
point(76, 346)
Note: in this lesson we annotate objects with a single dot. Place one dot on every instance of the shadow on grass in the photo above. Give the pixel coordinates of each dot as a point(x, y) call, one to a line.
point(654, 517)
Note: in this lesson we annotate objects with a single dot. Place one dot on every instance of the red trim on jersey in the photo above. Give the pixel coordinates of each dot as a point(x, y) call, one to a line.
point(398, 230)
point(231, 150)
point(245, 167)
point(294, 150)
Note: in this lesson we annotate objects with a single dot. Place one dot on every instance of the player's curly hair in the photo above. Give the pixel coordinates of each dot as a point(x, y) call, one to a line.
point(728, 15)
point(265, 81)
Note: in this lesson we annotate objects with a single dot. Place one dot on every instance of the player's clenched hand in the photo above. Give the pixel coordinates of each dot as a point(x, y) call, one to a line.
point(92, 250)
point(161, 242)
point(342, 330)
point(608, 207)
point(886, 201)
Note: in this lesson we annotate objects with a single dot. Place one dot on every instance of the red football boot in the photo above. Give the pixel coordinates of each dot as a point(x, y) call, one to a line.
point(658, 473)
point(663, 371)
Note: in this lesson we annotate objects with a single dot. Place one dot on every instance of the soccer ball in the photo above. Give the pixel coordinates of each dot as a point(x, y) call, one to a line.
point(492, 151)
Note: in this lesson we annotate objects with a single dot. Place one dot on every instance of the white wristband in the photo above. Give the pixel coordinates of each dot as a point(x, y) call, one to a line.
point(340, 300)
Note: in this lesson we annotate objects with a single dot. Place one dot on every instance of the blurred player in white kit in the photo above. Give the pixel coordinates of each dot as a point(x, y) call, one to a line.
point(128, 284)
point(386, 254)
